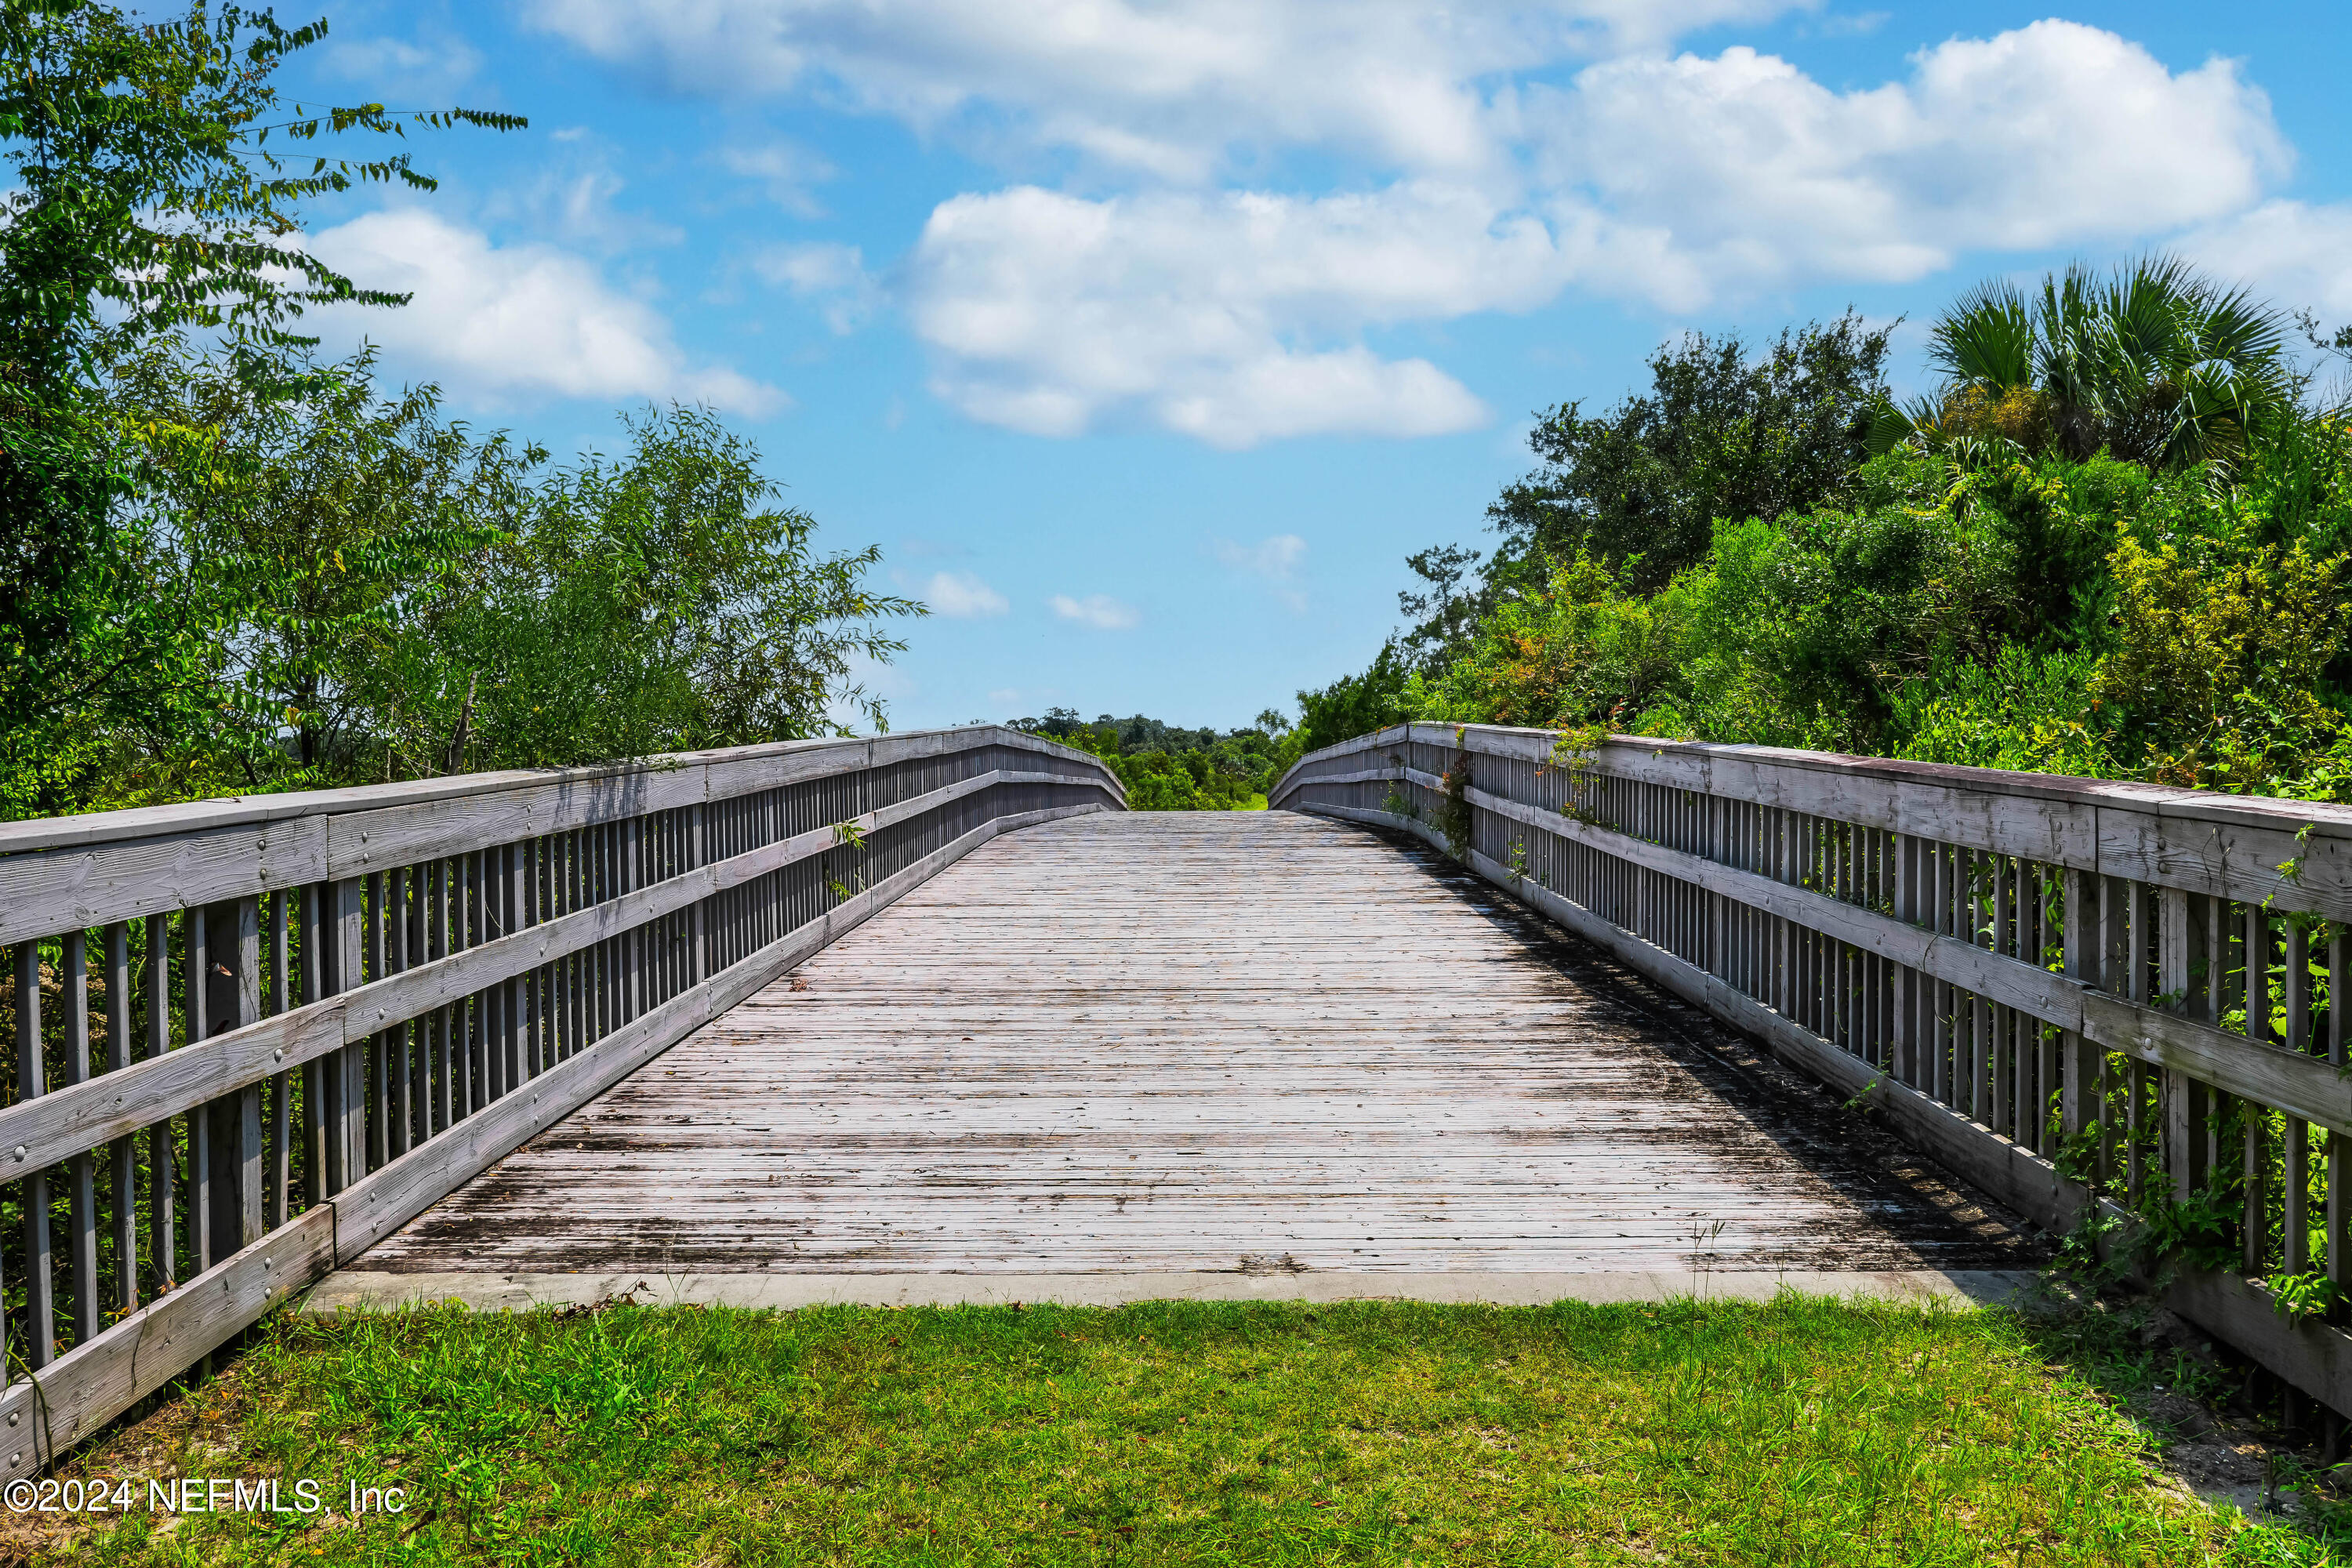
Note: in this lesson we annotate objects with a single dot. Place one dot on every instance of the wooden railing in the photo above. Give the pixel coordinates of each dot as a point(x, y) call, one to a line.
point(2109, 1006)
point(254, 1036)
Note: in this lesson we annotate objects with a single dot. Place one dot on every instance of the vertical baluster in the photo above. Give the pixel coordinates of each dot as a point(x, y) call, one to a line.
point(2079, 1062)
point(2184, 1128)
point(81, 1173)
point(478, 884)
point(461, 1019)
point(630, 854)
point(2295, 1220)
point(281, 1000)
point(572, 1006)
point(2258, 974)
point(393, 1084)
point(514, 867)
point(2039, 1041)
point(445, 1018)
point(703, 915)
point(40, 1302)
point(2338, 1217)
point(317, 973)
point(121, 1154)
point(378, 1046)
point(2254, 1225)
point(196, 1001)
point(347, 1075)
point(1905, 871)
point(163, 1245)
point(2118, 928)
point(2008, 1092)
point(527, 1046)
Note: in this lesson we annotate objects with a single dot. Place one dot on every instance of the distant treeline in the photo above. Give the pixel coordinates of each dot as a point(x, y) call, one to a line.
point(1166, 767)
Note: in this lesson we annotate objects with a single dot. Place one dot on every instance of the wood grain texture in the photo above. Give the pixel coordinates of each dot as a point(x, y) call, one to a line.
point(1195, 1041)
point(90, 869)
point(69, 1399)
point(2202, 841)
point(35, 1132)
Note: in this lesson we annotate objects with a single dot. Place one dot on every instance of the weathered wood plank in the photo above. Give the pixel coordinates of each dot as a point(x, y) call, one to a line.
point(89, 871)
point(379, 1204)
point(1196, 1037)
point(46, 892)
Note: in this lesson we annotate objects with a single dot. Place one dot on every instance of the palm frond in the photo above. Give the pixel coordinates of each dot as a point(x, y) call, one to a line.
point(1987, 337)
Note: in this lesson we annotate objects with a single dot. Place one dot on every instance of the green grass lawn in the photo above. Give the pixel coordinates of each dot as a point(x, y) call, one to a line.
point(1794, 1433)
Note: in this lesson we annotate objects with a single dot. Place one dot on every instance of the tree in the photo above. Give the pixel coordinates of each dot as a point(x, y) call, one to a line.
point(323, 530)
point(1718, 435)
point(647, 603)
point(144, 200)
point(148, 199)
point(1444, 616)
point(2152, 363)
point(1355, 704)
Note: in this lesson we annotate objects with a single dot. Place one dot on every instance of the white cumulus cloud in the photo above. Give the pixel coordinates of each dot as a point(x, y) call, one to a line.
point(502, 322)
point(1163, 87)
point(431, 63)
point(786, 169)
point(1051, 310)
point(1239, 317)
point(1491, 158)
point(1693, 175)
point(1273, 558)
point(2297, 254)
point(1099, 611)
point(962, 595)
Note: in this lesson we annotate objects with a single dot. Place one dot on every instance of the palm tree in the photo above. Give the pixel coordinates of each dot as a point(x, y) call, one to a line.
point(2152, 362)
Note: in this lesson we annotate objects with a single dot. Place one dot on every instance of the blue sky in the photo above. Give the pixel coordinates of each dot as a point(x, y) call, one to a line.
point(1147, 337)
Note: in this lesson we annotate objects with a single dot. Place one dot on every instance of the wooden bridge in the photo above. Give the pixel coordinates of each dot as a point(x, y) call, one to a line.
point(929, 1018)
point(1237, 1047)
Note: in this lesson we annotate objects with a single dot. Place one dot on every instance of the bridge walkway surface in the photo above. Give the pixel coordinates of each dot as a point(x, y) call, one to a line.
point(1201, 1054)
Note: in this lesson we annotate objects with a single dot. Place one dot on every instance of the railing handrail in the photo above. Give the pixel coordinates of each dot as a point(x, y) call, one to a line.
point(109, 866)
point(2296, 853)
point(32, 834)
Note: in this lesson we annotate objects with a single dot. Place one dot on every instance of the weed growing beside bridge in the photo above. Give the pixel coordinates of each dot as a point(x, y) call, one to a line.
point(1384, 1433)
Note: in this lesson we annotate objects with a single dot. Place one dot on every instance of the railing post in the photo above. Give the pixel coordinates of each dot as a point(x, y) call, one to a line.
point(124, 1167)
point(1905, 873)
point(81, 1171)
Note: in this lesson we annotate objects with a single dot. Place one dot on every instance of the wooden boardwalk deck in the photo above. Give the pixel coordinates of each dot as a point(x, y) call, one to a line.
point(1261, 1042)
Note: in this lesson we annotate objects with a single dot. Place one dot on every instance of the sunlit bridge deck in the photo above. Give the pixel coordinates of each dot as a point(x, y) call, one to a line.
point(1212, 1053)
